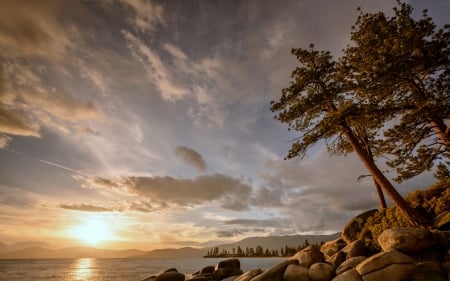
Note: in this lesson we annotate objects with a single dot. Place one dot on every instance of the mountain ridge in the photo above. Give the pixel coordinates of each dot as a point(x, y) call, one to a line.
point(269, 242)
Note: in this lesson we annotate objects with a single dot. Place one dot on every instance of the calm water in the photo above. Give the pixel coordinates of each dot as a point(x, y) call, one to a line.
point(88, 269)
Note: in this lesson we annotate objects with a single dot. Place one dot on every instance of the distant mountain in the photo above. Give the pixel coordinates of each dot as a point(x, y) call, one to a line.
point(186, 252)
point(33, 250)
point(69, 253)
point(5, 248)
point(277, 242)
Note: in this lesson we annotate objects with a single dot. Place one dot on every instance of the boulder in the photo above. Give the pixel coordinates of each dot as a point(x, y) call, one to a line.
point(275, 273)
point(406, 239)
point(296, 273)
point(247, 276)
point(309, 256)
point(349, 264)
point(151, 278)
point(229, 263)
point(207, 269)
point(428, 271)
point(336, 259)
point(354, 226)
point(442, 238)
point(170, 276)
point(321, 271)
point(355, 249)
point(332, 247)
point(349, 275)
point(383, 260)
point(393, 272)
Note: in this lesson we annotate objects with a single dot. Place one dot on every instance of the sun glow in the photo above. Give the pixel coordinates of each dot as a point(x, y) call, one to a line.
point(93, 231)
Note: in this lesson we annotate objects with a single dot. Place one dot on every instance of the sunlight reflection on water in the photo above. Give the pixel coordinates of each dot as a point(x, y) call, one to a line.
point(83, 269)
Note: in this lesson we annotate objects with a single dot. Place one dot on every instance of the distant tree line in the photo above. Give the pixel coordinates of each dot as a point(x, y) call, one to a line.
point(259, 251)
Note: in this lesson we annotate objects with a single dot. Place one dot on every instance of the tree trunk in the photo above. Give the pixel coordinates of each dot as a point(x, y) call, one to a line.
point(443, 132)
point(381, 199)
point(413, 217)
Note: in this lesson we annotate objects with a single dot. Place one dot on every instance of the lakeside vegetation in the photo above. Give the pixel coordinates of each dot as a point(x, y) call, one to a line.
point(258, 251)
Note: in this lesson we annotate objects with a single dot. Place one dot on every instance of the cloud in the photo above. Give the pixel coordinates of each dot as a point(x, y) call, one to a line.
point(16, 197)
point(86, 208)
point(14, 122)
point(229, 233)
point(191, 157)
point(160, 75)
point(31, 28)
point(258, 223)
point(231, 193)
point(147, 14)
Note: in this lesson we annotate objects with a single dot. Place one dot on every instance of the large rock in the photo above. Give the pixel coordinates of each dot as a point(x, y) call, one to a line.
point(349, 264)
point(336, 259)
point(309, 256)
point(296, 273)
point(275, 273)
point(442, 238)
point(393, 272)
point(229, 263)
point(227, 268)
point(349, 275)
point(332, 247)
point(353, 228)
point(382, 260)
point(428, 271)
point(321, 271)
point(170, 276)
point(355, 249)
point(247, 276)
point(406, 239)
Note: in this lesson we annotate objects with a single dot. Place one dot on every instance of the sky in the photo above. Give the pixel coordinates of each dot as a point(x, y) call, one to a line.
point(147, 124)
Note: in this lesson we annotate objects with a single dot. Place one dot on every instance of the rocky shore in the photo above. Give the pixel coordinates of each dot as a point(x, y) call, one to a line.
point(407, 254)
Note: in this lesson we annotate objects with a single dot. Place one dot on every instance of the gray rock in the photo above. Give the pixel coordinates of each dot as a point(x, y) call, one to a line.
point(349, 275)
point(274, 273)
point(349, 264)
point(332, 247)
point(353, 228)
point(321, 271)
point(309, 256)
point(296, 273)
point(393, 272)
point(382, 260)
point(170, 276)
point(247, 276)
point(406, 239)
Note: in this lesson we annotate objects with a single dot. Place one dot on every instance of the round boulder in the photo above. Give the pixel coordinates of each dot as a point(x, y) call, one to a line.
point(406, 239)
point(321, 271)
point(309, 256)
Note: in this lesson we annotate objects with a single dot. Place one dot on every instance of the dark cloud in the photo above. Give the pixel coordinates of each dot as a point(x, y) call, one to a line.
point(258, 223)
point(86, 208)
point(230, 192)
point(229, 233)
point(191, 157)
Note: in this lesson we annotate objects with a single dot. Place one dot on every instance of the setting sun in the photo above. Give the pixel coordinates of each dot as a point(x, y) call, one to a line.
point(93, 231)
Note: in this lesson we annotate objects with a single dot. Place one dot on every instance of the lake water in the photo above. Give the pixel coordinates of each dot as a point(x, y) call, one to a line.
point(90, 269)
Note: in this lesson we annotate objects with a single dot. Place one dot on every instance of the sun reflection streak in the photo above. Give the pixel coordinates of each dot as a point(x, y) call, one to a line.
point(83, 269)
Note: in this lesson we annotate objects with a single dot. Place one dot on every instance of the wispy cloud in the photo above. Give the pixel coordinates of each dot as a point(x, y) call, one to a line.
point(86, 208)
